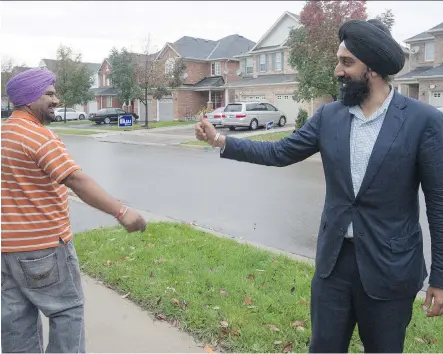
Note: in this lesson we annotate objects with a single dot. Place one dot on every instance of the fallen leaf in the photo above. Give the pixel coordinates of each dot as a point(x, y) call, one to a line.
point(434, 341)
point(108, 263)
point(300, 329)
point(160, 260)
point(288, 348)
point(223, 292)
point(125, 296)
point(152, 275)
point(208, 349)
point(303, 301)
point(224, 324)
point(160, 316)
point(211, 269)
point(420, 340)
point(248, 301)
point(262, 286)
point(273, 328)
point(251, 276)
point(298, 324)
point(277, 342)
point(176, 323)
point(293, 290)
point(175, 302)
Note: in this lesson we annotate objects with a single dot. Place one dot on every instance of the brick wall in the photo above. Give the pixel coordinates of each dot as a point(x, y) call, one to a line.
point(188, 101)
point(424, 90)
point(197, 71)
point(103, 70)
point(438, 49)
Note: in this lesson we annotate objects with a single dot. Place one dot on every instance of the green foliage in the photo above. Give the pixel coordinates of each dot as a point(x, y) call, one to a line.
point(302, 117)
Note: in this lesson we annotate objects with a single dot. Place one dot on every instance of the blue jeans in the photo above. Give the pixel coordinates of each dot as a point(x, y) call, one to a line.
point(47, 280)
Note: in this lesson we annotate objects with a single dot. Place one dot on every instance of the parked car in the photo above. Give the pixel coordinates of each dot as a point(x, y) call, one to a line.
point(108, 115)
point(215, 117)
point(71, 114)
point(252, 115)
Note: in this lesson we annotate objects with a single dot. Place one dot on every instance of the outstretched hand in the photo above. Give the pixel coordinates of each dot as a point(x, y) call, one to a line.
point(434, 297)
point(205, 131)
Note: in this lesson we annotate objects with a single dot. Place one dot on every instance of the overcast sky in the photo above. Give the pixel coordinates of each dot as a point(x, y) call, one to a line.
point(31, 31)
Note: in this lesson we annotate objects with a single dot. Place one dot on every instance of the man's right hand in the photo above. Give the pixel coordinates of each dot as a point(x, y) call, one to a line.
point(132, 221)
point(205, 131)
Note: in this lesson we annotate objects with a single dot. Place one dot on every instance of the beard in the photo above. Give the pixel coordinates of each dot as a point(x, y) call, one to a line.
point(47, 115)
point(353, 92)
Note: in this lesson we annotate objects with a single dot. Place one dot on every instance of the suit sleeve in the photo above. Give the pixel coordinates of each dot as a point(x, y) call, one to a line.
point(431, 174)
point(301, 144)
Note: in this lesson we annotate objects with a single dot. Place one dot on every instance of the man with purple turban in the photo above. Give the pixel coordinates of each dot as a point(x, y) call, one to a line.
point(377, 147)
point(40, 269)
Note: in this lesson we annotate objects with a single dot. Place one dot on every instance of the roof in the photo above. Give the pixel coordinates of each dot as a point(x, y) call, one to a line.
point(214, 81)
point(414, 72)
point(104, 91)
point(205, 49)
point(426, 35)
point(437, 71)
point(51, 65)
point(265, 80)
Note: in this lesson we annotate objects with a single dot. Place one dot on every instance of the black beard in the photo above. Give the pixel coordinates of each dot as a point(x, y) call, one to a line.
point(354, 92)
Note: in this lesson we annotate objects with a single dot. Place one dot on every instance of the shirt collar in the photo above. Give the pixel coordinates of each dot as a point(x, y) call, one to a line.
point(356, 110)
point(25, 115)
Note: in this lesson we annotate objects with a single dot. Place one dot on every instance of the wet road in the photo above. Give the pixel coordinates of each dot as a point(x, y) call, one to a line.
point(277, 207)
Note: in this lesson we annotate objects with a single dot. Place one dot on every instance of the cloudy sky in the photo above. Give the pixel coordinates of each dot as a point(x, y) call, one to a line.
point(31, 31)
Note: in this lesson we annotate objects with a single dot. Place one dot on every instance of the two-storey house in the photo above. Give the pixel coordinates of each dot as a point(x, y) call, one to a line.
point(423, 79)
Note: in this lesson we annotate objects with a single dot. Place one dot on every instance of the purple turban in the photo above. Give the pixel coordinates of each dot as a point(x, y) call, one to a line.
point(28, 86)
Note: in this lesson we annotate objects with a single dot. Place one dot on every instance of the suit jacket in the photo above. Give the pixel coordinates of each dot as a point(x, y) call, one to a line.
point(385, 212)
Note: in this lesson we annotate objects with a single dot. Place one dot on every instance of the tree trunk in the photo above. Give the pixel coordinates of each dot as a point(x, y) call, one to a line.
point(334, 97)
point(65, 115)
point(146, 108)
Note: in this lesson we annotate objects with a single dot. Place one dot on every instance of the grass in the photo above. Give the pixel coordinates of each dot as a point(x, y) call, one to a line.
point(151, 125)
point(233, 297)
point(262, 137)
point(74, 132)
point(70, 122)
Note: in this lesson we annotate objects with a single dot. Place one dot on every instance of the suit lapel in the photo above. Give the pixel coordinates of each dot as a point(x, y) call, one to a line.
point(343, 125)
point(392, 123)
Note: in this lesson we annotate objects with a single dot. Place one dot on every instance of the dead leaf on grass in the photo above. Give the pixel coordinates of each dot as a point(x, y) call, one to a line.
point(176, 323)
point(223, 292)
point(298, 324)
point(288, 348)
point(435, 341)
point(224, 324)
point(277, 342)
point(300, 329)
point(175, 302)
point(273, 328)
point(250, 276)
point(125, 296)
point(420, 340)
point(160, 316)
point(208, 349)
point(108, 263)
point(303, 301)
point(248, 301)
point(160, 260)
point(152, 275)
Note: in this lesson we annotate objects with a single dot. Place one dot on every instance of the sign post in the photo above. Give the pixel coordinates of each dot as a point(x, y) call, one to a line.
point(269, 125)
point(125, 121)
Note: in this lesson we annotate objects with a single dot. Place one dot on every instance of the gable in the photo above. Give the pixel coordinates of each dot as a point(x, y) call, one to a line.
point(278, 33)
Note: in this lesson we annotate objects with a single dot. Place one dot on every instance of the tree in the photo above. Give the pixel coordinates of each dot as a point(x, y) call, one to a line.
point(387, 18)
point(7, 74)
point(152, 78)
point(123, 75)
point(313, 45)
point(74, 80)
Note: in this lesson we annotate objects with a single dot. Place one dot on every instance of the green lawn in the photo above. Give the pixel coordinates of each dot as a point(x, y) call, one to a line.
point(70, 122)
point(151, 125)
point(73, 132)
point(233, 297)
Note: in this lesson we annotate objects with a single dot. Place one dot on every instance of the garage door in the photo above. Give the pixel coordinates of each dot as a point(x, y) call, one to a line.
point(142, 111)
point(92, 106)
point(166, 109)
point(289, 107)
point(436, 99)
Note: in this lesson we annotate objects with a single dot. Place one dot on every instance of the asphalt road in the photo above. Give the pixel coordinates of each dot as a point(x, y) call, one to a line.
point(276, 207)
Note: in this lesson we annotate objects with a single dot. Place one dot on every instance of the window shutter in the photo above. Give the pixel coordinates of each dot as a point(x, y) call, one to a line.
point(266, 62)
point(273, 60)
point(257, 63)
point(282, 62)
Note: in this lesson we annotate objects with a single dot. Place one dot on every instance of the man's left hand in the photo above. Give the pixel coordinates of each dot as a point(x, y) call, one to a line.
point(434, 296)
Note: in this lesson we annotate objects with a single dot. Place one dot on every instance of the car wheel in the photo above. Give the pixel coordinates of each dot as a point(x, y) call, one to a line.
point(282, 121)
point(107, 120)
point(231, 129)
point(81, 116)
point(58, 118)
point(253, 125)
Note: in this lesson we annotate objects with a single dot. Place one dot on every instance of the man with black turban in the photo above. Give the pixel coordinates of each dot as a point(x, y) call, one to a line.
point(40, 270)
point(377, 147)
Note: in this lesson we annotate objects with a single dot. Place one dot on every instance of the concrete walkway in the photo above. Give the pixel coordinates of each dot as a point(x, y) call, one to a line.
point(116, 325)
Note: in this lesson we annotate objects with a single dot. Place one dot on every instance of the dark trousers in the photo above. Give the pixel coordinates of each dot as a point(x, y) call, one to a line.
point(339, 302)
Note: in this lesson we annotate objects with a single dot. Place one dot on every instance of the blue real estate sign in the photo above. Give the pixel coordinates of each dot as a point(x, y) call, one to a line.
point(125, 121)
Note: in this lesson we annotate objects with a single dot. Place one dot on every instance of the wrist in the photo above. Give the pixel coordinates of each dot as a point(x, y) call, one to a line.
point(220, 142)
point(121, 212)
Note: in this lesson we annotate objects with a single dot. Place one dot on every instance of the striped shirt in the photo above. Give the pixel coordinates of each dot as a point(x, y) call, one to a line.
point(35, 209)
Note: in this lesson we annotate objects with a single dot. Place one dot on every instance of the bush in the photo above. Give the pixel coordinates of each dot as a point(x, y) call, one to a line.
point(302, 117)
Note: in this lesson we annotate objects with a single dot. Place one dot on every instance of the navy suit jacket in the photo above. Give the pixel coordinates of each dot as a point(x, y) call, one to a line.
point(385, 212)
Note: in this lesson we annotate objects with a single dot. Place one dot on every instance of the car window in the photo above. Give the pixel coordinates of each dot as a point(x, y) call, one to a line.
point(252, 107)
point(262, 107)
point(70, 110)
point(270, 107)
point(121, 111)
point(234, 107)
point(219, 109)
point(102, 111)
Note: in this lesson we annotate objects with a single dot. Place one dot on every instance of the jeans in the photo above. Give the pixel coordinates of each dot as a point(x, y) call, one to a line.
point(47, 280)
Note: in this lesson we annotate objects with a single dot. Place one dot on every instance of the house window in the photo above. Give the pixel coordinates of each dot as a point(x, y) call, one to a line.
point(108, 82)
point(263, 63)
point(429, 51)
point(249, 66)
point(108, 101)
point(216, 98)
point(437, 95)
point(278, 62)
point(169, 66)
point(216, 68)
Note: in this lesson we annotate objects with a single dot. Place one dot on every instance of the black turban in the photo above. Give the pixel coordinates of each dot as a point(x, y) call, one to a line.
point(371, 42)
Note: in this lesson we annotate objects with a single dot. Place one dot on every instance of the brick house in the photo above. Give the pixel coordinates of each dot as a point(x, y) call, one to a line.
point(105, 93)
point(422, 77)
point(91, 106)
point(266, 74)
point(209, 66)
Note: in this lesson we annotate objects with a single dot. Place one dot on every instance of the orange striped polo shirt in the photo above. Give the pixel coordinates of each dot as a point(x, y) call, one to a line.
point(35, 208)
